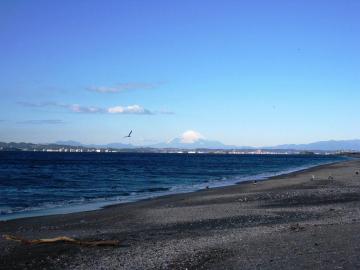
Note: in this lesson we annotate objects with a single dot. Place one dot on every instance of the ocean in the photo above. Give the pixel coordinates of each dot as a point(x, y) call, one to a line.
point(41, 183)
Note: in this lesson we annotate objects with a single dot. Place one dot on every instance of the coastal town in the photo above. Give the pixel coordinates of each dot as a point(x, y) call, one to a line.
point(82, 149)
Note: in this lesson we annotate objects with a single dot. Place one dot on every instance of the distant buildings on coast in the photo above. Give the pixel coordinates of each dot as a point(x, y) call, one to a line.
point(83, 149)
point(248, 152)
point(76, 150)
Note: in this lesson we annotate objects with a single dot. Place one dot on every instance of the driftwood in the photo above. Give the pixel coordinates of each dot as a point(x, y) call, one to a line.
point(297, 227)
point(62, 239)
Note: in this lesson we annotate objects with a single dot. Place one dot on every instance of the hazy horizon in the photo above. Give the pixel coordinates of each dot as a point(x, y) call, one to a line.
point(185, 141)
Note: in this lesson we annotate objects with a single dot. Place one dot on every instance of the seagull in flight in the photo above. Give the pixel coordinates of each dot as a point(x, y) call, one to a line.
point(128, 136)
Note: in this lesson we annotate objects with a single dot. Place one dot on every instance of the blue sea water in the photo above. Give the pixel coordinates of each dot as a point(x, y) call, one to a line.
point(40, 183)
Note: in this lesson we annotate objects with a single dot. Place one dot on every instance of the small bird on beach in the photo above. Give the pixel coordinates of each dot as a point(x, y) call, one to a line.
point(128, 136)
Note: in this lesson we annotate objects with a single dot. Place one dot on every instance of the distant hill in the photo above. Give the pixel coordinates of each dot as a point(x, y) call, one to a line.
point(113, 145)
point(198, 144)
point(175, 143)
point(109, 145)
point(70, 143)
point(332, 145)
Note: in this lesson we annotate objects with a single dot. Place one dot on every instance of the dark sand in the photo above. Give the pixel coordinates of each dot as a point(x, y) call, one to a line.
point(289, 222)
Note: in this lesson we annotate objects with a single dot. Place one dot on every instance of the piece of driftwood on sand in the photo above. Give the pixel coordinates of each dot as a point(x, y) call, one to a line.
point(62, 239)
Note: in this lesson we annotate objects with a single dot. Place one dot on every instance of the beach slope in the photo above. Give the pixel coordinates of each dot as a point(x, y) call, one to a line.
point(288, 222)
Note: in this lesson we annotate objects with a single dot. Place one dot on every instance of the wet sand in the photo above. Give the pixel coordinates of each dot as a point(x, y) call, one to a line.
point(287, 222)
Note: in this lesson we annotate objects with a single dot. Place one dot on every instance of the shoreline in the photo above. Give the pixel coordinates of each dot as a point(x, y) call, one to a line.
point(292, 221)
point(96, 206)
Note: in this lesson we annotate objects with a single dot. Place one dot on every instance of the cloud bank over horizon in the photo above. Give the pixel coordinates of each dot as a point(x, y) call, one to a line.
point(123, 87)
point(77, 108)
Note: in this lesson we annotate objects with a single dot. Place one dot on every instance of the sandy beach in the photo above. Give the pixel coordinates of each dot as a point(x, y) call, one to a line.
point(287, 222)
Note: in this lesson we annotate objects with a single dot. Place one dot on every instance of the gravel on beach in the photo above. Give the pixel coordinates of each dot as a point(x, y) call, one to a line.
point(303, 220)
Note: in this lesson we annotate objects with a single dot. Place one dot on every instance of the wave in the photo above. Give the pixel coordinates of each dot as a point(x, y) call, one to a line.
point(156, 189)
point(87, 203)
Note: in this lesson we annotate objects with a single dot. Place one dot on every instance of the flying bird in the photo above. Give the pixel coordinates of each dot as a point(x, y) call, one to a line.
point(128, 136)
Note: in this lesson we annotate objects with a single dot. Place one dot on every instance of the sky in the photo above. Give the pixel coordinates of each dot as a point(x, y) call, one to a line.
point(252, 73)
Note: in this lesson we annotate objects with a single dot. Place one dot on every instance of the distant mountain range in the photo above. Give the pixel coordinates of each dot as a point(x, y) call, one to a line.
point(332, 145)
point(109, 145)
point(322, 145)
point(200, 143)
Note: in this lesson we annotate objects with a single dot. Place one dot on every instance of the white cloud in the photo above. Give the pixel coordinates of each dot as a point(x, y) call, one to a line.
point(77, 108)
point(132, 109)
point(191, 136)
point(123, 87)
point(81, 109)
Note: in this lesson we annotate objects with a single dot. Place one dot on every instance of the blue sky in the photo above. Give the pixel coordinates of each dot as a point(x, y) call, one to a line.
point(242, 72)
